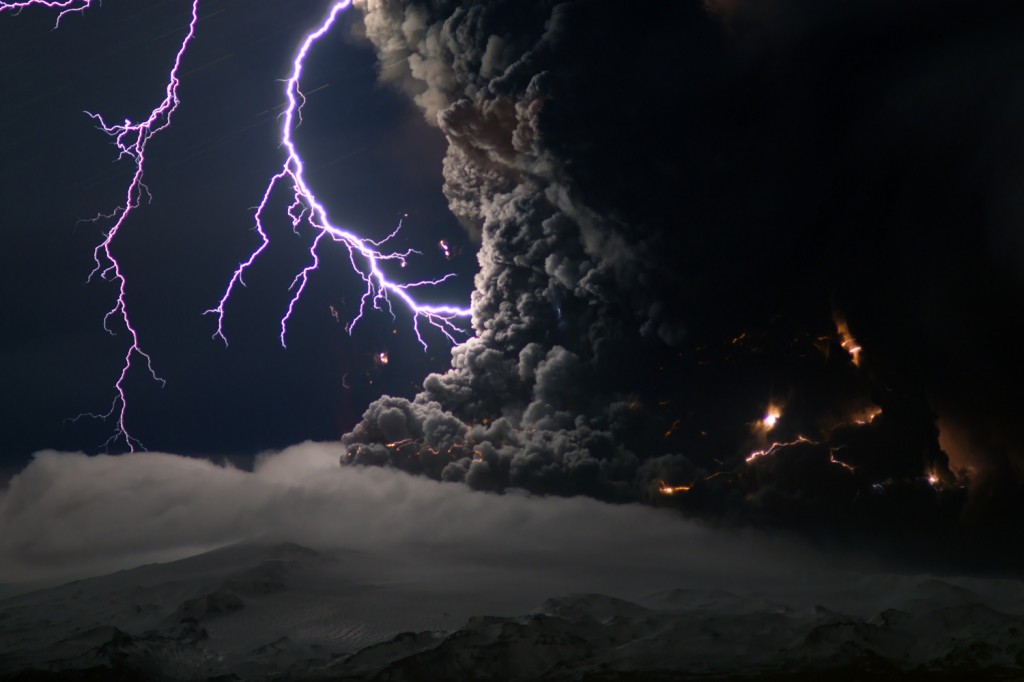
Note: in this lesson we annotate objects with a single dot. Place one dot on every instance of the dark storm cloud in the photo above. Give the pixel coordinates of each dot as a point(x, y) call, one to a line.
point(673, 204)
point(925, 116)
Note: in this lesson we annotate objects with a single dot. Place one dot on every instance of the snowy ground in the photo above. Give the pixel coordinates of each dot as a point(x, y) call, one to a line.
point(258, 611)
point(301, 569)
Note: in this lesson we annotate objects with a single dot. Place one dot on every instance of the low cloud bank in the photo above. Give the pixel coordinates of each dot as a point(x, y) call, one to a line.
point(68, 515)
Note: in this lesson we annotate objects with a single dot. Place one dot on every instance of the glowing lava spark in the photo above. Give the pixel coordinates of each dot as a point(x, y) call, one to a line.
point(763, 426)
point(774, 447)
point(66, 7)
point(364, 255)
point(835, 460)
point(867, 415)
point(846, 340)
point(131, 140)
point(666, 489)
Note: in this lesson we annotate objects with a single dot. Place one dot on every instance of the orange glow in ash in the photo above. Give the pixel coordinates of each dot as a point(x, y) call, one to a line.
point(964, 461)
point(666, 489)
point(867, 415)
point(774, 447)
point(847, 341)
point(861, 416)
point(763, 426)
point(421, 447)
point(672, 429)
point(849, 467)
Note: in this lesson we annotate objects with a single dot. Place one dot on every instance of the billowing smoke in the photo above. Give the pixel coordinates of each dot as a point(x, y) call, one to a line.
point(692, 214)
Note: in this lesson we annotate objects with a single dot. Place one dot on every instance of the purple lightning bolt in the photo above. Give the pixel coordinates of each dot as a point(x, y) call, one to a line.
point(131, 140)
point(66, 7)
point(364, 254)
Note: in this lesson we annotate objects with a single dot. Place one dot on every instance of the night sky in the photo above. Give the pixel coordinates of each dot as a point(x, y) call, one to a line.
point(369, 152)
point(673, 222)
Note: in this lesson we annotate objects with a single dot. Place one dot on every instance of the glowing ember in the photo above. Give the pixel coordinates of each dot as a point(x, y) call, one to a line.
point(867, 415)
point(666, 489)
point(832, 458)
point(757, 454)
point(765, 424)
point(774, 447)
point(382, 358)
point(847, 341)
point(456, 449)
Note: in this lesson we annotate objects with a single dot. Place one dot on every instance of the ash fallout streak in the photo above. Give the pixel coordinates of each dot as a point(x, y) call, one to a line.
point(131, 140)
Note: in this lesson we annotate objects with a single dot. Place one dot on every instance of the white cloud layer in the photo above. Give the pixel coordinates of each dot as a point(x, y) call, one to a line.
point(68, 515)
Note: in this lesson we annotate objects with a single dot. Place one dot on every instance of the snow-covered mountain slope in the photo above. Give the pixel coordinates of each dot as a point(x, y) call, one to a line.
point(222, 611)
point(593, 637)
point(284, 611)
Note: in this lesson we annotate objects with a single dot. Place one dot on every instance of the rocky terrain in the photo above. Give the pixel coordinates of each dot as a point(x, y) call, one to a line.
point(288, 612)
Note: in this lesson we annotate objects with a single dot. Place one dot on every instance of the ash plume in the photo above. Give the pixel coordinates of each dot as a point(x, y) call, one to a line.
point(691, 212)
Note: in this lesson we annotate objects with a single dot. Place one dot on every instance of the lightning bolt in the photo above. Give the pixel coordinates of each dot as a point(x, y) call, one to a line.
point(131, 139)
point(66, 7)
point(365, 255)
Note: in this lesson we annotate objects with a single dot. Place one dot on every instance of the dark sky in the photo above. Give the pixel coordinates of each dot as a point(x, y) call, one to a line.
point(369, 153)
